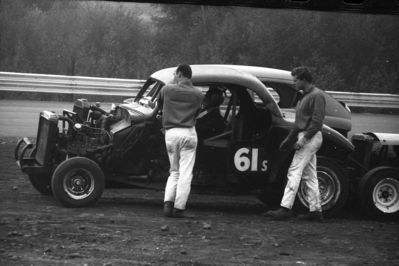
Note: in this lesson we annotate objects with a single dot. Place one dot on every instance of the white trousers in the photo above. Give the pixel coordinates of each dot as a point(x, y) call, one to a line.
point(303, 167)
point(181, 144)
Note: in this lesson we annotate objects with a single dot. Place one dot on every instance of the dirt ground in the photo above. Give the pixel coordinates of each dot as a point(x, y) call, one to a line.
point(126, 227)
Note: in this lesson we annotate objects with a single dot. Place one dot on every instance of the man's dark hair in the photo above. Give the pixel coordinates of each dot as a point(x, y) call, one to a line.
point(185, 70)
point(302, 73)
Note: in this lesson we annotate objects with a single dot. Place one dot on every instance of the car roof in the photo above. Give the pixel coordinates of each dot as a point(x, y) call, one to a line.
point(263, 73)
point(223, 74)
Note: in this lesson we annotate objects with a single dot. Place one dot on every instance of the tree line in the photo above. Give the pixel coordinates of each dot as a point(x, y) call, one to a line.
point(346, 51)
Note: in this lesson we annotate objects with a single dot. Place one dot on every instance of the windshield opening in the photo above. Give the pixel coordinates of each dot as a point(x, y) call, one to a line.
point(147, 96)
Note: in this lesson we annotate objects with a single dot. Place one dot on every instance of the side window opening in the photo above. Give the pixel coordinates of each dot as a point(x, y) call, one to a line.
point(210, 120)
point(285, 94)
point(211, 123)
point(242, 112)
point(252, 119)
point(275, 95)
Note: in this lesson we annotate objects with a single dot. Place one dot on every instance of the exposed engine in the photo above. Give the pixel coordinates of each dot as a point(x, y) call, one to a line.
point(92, 132)
point(85, 131)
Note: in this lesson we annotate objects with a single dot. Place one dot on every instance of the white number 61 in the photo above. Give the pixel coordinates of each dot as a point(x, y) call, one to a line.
point(243, 162)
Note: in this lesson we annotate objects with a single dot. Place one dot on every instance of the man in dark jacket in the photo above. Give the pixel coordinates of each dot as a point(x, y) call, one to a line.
point(209, 121)
point(180, 103)
point(306, 138)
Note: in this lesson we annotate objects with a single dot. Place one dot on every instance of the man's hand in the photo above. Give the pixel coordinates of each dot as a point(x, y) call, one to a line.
point(299, 144)
point(162, 131)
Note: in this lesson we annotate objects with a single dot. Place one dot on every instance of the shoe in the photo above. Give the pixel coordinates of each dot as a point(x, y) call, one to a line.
point(177, 213)
point(168, 208)
point(280, 214)
point(312, 216)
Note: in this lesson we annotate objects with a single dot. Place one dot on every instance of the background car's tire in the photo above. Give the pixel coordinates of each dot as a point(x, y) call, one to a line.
point(333, 185)
point(42, 183)
point(378, 192)
point(78, 182)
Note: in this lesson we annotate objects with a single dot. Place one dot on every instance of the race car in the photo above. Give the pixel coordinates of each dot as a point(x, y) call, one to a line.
point(80, 151)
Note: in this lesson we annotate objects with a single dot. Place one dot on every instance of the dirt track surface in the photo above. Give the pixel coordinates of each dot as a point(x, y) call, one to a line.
point(127, 228)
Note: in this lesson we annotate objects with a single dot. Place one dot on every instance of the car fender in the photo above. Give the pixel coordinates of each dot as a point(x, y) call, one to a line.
point(386, 139)
point(333, 136)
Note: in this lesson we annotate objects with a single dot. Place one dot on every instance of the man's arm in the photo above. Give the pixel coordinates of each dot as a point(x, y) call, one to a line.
point(319, 109)
point(291, 137)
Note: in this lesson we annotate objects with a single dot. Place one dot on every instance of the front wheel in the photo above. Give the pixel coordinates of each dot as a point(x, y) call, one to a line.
point(78, 182)
point(333, 187)
point(378, 192)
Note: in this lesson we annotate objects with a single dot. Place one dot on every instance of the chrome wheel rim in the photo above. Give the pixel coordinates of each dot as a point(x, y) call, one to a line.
point(386, 195)
point(78, 183)
point(329, 187)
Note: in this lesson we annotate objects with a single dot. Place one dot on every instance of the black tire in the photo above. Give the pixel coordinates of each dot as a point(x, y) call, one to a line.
point(42, 183)
point(378, 192)
point(333, 185)
point(78, 182)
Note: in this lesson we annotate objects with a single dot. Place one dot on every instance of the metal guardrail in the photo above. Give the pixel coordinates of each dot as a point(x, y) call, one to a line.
point(10, 81)
point(376, 100)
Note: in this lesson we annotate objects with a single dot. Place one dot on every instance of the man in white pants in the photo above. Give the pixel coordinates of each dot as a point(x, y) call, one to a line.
point(180, 103)
point(306, 138)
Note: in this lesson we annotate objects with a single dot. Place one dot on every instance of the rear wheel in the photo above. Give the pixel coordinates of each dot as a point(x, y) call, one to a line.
point(378, 192)
point(78, 182)
point(333, 186)
point(42, 183)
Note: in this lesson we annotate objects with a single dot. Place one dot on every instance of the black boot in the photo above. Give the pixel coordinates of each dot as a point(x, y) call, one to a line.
point(177, 213)
point(168, 208)
point(280, 214)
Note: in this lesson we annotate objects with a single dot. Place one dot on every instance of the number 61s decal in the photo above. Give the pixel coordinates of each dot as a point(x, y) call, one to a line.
point(248, 159)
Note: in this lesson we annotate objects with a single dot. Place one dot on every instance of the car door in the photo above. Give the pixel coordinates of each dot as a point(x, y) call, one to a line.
point(250, 149)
